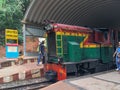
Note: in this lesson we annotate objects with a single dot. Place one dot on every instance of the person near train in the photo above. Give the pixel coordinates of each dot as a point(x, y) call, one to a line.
point(117, 53)
point(41, 56)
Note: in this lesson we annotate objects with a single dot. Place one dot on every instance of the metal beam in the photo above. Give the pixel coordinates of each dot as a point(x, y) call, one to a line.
point(24, 39)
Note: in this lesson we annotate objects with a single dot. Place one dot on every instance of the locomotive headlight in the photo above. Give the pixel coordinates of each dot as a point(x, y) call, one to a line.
point(58, 59)
point(48, 27)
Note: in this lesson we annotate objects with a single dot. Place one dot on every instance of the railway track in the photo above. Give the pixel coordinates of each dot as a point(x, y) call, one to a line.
point(34, 86)
point(31, 84)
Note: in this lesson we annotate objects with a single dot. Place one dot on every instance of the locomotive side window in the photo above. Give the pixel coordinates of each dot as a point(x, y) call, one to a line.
point(99, 36)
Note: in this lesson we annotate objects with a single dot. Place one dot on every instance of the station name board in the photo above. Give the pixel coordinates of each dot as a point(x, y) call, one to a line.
point(11, 34)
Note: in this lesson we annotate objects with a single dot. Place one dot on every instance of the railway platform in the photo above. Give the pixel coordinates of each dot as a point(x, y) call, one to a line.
point(108, 80)
point(6, 62)
point(10, 71)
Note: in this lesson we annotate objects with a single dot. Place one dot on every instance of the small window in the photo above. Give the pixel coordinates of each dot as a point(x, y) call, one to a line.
point(99, 37)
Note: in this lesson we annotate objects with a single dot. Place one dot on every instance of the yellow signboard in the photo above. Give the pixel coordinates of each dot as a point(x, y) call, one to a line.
point(11, 34)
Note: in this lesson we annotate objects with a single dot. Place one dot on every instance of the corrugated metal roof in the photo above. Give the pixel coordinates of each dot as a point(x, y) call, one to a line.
point(93, 13)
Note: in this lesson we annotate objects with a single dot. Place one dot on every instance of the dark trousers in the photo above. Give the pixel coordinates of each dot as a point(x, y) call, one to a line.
point(43, 60)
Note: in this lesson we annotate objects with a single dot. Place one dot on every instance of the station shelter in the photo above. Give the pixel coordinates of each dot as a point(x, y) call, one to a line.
point(88, 13)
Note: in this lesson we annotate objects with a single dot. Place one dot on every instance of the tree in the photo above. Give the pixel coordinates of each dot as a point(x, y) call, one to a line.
point(25, 4)
point(11, 14)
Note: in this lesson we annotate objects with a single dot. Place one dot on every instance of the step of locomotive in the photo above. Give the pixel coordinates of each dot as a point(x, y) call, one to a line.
point(21, 72)
point(10, 62)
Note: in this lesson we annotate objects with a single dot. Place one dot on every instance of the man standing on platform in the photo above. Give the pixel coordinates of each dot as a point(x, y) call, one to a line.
point(41, 53)
point(117, 53)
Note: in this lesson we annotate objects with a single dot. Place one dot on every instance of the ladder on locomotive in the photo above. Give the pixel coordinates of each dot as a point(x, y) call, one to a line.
point(59, 45)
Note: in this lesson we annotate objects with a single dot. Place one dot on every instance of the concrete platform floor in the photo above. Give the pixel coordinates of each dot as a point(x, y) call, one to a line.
point(6, 62)
point(21, 72)
point(109, 80)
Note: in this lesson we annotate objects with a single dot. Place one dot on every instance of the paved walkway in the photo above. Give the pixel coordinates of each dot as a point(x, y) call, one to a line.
point(101, 81)
point(5, 62)
point(21, 72)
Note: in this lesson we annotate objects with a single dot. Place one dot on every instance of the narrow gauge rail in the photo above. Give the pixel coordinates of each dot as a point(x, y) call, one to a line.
point(34, 86)
point(31, 84)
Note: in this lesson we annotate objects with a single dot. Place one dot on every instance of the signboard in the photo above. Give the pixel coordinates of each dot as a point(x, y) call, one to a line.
point(11, 36)
point(12, 49)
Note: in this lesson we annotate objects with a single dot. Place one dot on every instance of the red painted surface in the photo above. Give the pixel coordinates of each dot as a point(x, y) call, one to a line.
point(1, 80)
point(42, 72)
point(15, 77)
point(70, 28)
point(32, 60)
point(28, 74)
point(25, 61)
point(8, 44)
point(99, 37)
point(61, 71)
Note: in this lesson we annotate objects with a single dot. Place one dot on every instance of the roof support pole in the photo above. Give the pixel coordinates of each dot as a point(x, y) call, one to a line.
point(24, 39)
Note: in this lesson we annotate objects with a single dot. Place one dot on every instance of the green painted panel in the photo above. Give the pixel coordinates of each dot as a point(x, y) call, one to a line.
point(91, 53)
point(106, 54)
point(65, 57)
point(65, 40)
point(74, 52)
point(79, 39)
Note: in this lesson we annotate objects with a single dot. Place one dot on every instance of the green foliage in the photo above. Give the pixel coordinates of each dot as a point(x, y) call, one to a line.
point(2, 39)
point(11, 14)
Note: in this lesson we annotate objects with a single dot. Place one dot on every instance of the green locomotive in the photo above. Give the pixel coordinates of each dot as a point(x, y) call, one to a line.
point(77, 49)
